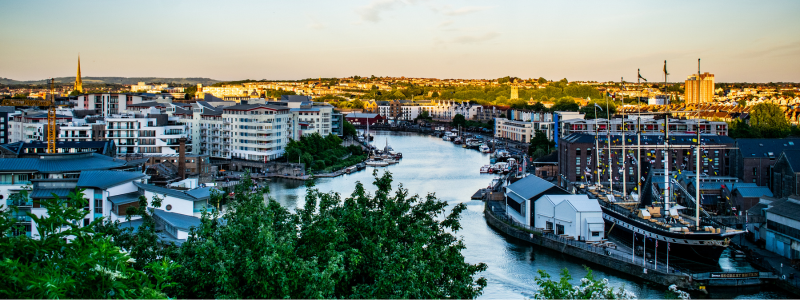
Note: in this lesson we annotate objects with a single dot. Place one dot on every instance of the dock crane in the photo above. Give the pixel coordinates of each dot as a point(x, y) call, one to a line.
point(50, 103)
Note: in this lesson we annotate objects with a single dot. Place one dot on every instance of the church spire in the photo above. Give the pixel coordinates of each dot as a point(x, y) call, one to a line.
point(78, 81)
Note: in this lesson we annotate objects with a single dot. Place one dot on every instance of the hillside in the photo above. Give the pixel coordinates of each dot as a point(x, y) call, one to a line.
point(116, 80)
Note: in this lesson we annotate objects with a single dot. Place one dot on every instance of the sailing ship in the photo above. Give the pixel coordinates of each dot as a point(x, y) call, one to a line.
point(648, 216)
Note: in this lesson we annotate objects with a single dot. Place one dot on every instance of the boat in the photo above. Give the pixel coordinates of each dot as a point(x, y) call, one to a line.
point(486, 169)
point(473, 143)
point(377, 162)
point(484, 149)
point(457, 140)
point(656, 216)
point(501, 167)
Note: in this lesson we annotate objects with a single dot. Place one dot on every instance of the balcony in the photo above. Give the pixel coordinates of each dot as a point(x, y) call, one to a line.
point(20, 202)
point(21, 218)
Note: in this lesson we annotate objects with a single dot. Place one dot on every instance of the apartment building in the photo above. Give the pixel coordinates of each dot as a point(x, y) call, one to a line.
point(32, 126)
point(259, 131)
point(705, 83)
point(447, 109)
point(312, 119)
point(154, 133)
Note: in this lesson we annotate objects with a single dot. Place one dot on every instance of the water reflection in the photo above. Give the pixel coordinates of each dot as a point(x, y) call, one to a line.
point(430, 164)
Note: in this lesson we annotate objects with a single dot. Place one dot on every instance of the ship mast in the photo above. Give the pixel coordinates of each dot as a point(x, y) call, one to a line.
point(639, 149)
point(666, 155)
point(623, 155)
point(697, 167)
point(610, 159)
point(596, 146)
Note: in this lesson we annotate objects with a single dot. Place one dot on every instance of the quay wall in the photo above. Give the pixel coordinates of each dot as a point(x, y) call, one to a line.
point(681, 280)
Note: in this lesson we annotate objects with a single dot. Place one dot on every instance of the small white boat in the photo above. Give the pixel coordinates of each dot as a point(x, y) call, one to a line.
point(377, 163)
point(484, 149)
point(486, 169)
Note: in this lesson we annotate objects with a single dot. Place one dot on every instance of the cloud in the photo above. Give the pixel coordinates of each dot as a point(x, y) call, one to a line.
point(475, 38)
point(466, 10)
point(371, 12)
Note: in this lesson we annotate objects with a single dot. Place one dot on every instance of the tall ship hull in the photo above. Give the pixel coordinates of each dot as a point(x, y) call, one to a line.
point(693, 246)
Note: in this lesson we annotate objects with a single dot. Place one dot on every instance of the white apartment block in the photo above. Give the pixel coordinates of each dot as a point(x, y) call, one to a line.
point(447, 109)
point(311, 119)
point(80, 131)
point(259, 131)
point(27, 127)
point(153, 133)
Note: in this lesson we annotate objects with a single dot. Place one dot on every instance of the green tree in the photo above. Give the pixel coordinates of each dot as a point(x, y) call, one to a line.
point(382, 245)
point(565, 104)
point(740, 129)
point(435, 95)
point(742, 102)
point(768, 121)
point(357, 104)
point(348, 129)
point(540, 145)
point(541, 80)
point(459, 120)
point(606, 108)
point(88, 266)
point(589, 288)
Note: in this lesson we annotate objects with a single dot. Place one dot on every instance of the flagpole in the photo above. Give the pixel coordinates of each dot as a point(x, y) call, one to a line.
point(667, 257)
point(644, 252)
point(656, 261)
point(697, 173)
point(622, 156)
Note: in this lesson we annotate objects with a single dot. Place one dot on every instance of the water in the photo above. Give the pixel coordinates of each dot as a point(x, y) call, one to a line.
point(432, 165)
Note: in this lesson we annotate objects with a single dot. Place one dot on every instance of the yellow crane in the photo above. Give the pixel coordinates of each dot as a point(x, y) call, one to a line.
point(51, 113)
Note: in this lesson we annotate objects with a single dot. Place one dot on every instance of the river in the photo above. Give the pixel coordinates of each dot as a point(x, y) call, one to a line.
point(430, 164)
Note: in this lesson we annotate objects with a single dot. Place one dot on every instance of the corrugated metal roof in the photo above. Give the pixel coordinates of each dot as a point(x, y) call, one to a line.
point(753, 192)
point(200, 193)
point(125, 198)
point(106, 179)
point(48, 193)
point(178, 220)
point(61, 163)
point(529, 187)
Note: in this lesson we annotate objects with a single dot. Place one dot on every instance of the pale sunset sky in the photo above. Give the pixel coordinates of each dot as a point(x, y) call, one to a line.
point(754, 41)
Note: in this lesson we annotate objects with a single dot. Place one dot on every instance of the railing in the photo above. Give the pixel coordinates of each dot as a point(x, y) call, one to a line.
point(21, 203)
point(22, 218)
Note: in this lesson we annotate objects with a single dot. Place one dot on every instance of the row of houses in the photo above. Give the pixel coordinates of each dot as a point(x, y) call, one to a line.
point(253, 129)
point(111, 186)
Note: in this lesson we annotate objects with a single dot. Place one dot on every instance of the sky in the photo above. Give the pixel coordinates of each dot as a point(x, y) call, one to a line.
point(738, 41)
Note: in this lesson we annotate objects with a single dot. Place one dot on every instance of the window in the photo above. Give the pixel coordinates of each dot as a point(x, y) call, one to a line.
point(169, 207)
point(548, 225)
point(595, 233)
point(98, 206)
point(755, 171)
point(578, 151)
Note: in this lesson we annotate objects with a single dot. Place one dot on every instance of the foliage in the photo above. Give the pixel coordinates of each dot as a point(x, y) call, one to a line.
point(740, 129)
point(21, 96)
point(459, 120)
point(348, 129)
point(540, 145)
point(742, 102)
point(424, 115)
point(88, 266)
point(323, 153)
point(589, 288)
point(565, 104)
point(606, 107)
point(271, 93)
point(768, 121)
point(674, 293)
point(368, 246)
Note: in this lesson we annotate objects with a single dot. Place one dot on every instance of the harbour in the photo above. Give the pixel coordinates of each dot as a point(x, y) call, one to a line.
point(431, 164)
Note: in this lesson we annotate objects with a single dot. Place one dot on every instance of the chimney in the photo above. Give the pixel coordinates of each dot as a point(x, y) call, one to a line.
point(182, 158)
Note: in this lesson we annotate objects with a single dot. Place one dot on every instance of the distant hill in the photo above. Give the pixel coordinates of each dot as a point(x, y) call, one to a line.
point(116, 80)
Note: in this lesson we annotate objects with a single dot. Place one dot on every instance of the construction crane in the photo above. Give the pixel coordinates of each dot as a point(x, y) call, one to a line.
point(50, 102)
